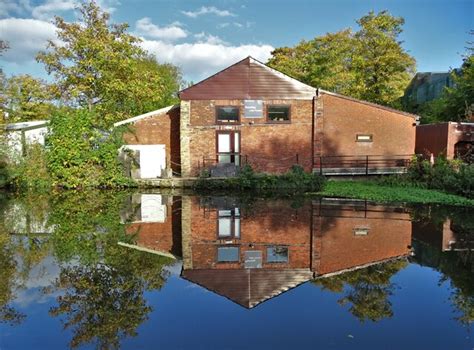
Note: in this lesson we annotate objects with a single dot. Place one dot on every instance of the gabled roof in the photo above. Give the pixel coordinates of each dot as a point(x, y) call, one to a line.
point(163, 110)
point(248, 79)
point(248, 287)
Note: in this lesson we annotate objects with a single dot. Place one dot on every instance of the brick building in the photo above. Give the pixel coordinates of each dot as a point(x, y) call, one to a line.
point(451, 139)
point(251, 113)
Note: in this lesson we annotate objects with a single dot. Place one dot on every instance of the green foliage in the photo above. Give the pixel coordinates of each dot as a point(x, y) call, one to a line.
point(369, 64)
point(98, 65)
point(368, 289)
point(80, 155)
point(449, 176)
point(294, 181)
point(31, 171)
point(25, 98)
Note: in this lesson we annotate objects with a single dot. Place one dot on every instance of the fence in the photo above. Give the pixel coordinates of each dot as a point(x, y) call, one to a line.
point(363, 165)
point(325, 165)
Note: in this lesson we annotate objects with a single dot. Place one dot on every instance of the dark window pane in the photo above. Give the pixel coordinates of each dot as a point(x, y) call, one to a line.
point(278, 113)
point(277, 254)
point(228, 114)
point(227, 254)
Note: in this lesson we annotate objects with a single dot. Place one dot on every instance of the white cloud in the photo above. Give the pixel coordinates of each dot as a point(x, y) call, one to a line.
point(146, 28)
point(227, 24)
point(26, 37)
point(49, 8)
point(202, 59)
point(204, 10)
point(209, 39)
point(52, 7)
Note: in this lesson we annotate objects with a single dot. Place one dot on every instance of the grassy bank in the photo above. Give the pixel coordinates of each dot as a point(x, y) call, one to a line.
point(384, 193)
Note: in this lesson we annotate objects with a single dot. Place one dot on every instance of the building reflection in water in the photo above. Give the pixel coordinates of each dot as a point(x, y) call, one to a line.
point(251, 252)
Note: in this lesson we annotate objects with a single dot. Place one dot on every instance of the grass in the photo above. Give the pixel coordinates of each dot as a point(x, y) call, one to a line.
point(383, 193)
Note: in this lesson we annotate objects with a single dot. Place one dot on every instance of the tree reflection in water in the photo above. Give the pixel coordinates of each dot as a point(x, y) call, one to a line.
point(102, 283)
point(366, 290)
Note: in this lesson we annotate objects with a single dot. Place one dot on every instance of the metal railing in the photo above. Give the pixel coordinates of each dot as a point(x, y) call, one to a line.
point(208, 161)
point(364, 162)
point(360, 164)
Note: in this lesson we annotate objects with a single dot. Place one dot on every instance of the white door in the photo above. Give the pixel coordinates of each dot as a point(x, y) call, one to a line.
point(152, 160)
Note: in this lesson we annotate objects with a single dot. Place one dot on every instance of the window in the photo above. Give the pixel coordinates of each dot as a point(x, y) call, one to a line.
point(227, 114)
point(277, 254)
point(278, 114)
point(364, 138)
point(228, 254)
point(361, 231)
point(228, 223)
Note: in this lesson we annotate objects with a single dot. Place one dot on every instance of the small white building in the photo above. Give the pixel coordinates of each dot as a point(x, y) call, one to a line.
point(19, 135)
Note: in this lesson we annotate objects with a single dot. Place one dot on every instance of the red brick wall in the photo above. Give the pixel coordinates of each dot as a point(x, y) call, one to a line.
point(162, 129)
point(268, 147)
point(393, 133)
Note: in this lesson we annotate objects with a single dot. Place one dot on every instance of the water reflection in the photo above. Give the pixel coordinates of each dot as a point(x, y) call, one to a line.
point(93, 257)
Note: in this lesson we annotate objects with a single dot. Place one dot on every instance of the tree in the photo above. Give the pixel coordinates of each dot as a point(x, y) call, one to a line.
point(460, 98)
point(79, 155)
point(369, 64)
point(385, 67)
point(27, 98)
point(100, 66)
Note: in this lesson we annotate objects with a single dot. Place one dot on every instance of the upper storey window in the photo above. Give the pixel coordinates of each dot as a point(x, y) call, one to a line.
point(278, 114)
point(227, 114)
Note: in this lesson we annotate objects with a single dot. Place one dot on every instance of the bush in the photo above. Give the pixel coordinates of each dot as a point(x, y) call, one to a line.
point(449, 176)
point(30, 172)
point(81, 155)
point(294, 181)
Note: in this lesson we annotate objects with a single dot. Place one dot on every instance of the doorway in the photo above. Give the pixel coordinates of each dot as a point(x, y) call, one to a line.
point(228, 147)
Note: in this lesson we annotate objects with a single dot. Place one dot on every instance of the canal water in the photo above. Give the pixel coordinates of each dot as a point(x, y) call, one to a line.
point(153, 270)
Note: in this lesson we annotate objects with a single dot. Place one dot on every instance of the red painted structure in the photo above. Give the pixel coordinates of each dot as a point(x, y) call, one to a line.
point(451, 139)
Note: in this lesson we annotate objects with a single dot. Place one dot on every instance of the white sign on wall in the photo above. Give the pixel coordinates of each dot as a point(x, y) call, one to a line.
point(253, 108)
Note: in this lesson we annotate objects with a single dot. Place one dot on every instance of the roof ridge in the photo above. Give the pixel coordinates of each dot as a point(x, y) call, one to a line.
point(146, 115)
point(213, 75)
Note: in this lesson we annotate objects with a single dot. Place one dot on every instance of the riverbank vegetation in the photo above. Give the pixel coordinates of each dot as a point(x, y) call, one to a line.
point(296, 180)
point(374, 191)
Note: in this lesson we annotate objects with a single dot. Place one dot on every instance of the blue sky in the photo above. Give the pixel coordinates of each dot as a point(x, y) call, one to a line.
point(203, 37)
